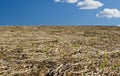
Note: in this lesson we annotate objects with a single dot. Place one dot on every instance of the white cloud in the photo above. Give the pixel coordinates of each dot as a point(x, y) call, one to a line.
point(84, 4)
point(67, 1)
point(89, 4)
point(109, 13)
point(57, 0)
point(118, 25)
point(71, 1)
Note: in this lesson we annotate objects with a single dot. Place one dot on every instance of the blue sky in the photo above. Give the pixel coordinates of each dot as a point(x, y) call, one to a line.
point(59, 12)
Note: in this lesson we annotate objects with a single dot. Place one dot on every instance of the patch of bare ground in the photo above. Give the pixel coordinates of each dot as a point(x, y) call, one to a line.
point(59, 51)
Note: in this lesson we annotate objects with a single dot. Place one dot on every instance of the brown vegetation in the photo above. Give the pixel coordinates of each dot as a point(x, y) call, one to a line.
point(59, 51)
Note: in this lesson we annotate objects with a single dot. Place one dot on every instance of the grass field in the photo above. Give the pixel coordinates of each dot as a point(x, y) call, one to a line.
point(59, 51)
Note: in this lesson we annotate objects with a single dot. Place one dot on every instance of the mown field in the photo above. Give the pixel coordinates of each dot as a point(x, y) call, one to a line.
point(59, 51)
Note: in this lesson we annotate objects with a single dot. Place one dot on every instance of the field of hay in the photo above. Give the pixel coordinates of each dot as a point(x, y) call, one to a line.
point(59, 51)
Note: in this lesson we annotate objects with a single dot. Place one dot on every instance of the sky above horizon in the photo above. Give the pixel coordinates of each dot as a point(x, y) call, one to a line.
point(59, 12)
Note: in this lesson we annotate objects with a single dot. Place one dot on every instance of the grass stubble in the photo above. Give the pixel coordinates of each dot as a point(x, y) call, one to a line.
point(59, 51)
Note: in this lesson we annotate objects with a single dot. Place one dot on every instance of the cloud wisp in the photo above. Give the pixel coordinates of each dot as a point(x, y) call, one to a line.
point(85, 4)
point(67, 1)
point(57, 0)
point(109, 13)
point(89, 4)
